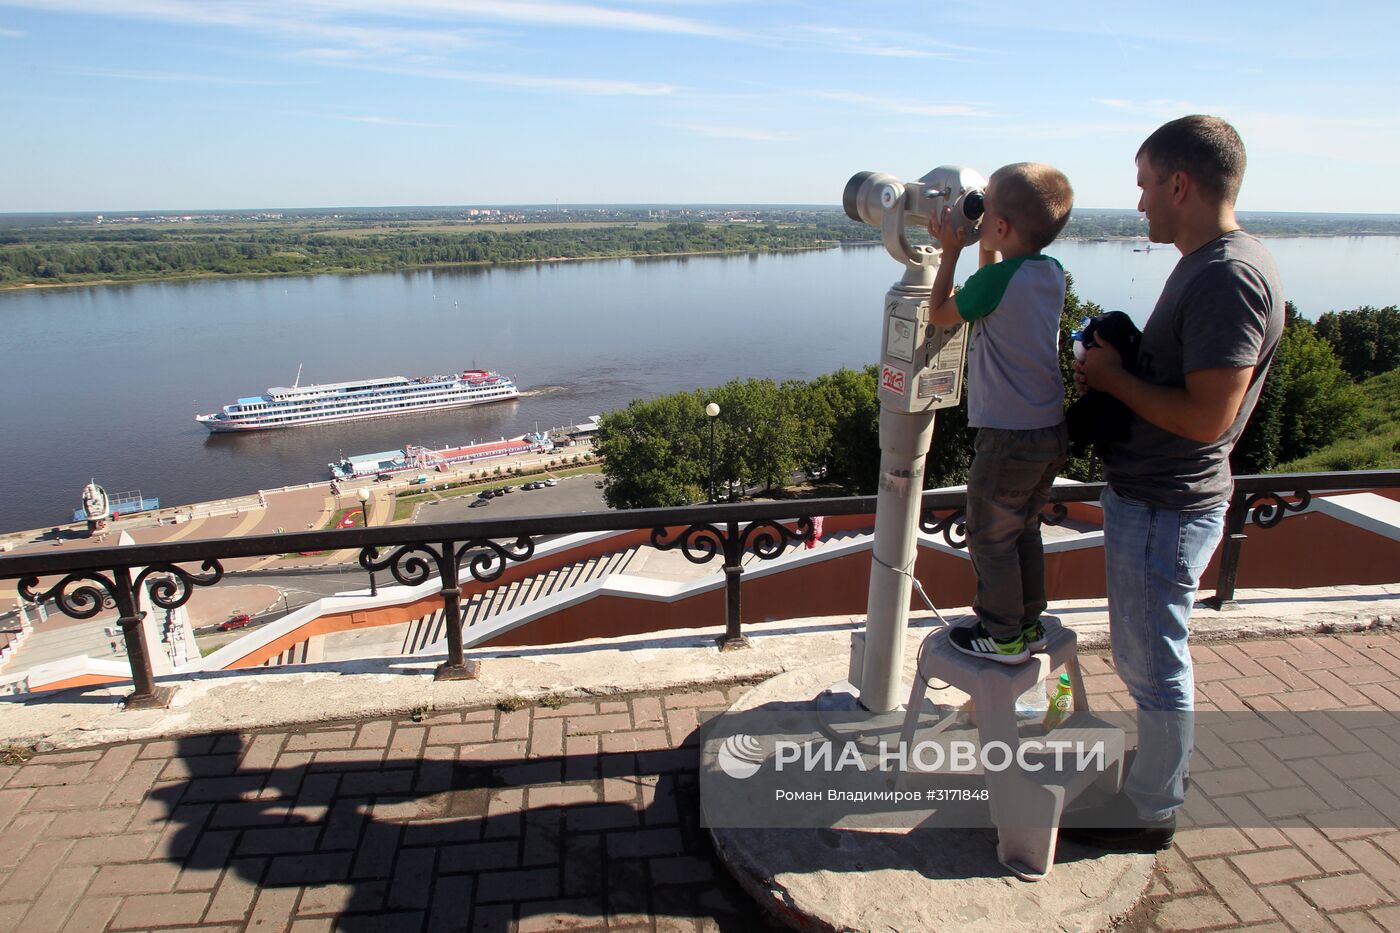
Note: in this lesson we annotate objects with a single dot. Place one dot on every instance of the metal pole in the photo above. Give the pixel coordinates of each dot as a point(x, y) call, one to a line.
point(146, 694)
point(733, 570)
point(364, 514)
point(712, 460)
point(904, 442)
point(1233, 543)
point(456, 667)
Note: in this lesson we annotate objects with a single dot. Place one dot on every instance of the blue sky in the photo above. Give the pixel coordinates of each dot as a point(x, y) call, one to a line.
point(111, 105)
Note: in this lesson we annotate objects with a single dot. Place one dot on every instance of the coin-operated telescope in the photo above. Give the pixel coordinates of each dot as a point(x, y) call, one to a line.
point(921, 369)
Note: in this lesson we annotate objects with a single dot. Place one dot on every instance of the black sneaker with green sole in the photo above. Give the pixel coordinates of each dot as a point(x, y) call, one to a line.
point(974, 640)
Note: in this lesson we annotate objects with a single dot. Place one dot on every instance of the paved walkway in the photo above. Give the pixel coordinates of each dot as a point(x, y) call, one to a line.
point(585, 816)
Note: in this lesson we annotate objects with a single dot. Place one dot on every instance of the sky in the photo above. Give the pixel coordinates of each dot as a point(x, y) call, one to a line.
point(127, 105)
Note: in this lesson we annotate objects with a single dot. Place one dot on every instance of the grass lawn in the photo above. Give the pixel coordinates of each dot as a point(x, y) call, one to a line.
point(1375, 445)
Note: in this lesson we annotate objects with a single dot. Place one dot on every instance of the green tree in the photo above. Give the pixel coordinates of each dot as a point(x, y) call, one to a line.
point(1320, 403)
point(1257, 450)
point(653, 452)
point(1076, 312)
point(849, 408)
point(1366, 339)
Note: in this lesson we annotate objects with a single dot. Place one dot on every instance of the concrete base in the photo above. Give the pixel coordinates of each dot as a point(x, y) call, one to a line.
point(925, 879)
point(159, 698)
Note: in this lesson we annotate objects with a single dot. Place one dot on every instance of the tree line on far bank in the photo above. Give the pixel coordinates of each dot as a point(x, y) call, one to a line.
point(73, 249)
point(140, 254)
point(657, 452)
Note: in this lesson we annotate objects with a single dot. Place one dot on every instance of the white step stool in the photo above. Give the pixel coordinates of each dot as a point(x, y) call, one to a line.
point(1025, 805)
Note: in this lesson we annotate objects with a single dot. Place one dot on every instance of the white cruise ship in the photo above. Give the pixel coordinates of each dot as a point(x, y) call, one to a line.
point(363, 398)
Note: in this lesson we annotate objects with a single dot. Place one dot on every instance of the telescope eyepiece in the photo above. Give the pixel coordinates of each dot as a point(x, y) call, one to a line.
point(974, 205)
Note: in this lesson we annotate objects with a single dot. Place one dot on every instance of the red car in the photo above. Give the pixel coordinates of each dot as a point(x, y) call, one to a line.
point(239, 621)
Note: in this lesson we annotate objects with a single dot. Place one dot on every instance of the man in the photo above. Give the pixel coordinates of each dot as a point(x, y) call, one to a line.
point(1204, 354)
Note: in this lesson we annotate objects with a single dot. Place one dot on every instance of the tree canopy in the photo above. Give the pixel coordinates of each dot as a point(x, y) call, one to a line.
point(656, 452)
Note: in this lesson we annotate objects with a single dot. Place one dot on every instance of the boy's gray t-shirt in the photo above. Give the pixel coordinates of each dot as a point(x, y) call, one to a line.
point(1013, 308)
point(1221, 308)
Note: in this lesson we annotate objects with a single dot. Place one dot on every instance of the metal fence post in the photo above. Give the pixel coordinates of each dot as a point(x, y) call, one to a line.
point(146, 694)
point(733, 568)
point(1230, 548)
point(456, 667)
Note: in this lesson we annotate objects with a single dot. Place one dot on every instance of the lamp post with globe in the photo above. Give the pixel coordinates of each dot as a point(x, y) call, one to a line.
point(364, 514)
point(712, 412)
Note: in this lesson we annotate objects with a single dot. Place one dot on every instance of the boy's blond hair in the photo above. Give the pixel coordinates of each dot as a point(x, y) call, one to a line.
point(1036, 199)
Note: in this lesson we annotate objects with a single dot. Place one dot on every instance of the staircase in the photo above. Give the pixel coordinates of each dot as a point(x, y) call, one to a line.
point(431, 628)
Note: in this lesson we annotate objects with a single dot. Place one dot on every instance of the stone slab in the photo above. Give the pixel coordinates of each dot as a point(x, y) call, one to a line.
point(925, 879)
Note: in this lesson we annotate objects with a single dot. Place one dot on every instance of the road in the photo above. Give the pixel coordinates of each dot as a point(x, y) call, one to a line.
point(301, 586)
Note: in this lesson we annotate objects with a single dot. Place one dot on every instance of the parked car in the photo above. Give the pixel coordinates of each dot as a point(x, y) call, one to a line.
point(478, 503)
point(382, 477)
point(551, 482)
point(241, 620)
point(485, 494)
point(507, 489)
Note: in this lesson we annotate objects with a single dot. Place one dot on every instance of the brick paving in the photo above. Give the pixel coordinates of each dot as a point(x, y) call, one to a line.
point(585, 816)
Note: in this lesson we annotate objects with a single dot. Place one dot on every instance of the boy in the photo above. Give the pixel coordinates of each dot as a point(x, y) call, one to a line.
point(1013, 304)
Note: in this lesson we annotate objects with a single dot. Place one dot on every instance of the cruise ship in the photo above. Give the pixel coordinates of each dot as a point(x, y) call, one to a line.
point(364, 398)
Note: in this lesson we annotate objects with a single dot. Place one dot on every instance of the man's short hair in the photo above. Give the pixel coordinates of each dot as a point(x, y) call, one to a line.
point(1036, 199)
point(1208, 149)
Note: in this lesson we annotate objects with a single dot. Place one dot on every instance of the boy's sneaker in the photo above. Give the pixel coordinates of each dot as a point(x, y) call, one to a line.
point(1033, 634)
point(974, 640)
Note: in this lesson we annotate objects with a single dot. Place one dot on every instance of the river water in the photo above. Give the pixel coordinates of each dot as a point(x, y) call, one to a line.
point(103, 382)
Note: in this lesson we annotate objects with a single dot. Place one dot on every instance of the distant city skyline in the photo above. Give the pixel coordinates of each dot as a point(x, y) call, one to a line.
point(119, 106)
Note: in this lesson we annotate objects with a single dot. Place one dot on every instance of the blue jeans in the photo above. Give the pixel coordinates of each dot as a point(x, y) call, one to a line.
point(1155, 558)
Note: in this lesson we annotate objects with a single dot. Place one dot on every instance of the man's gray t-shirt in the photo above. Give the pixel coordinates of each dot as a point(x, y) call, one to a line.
point(1222, 308)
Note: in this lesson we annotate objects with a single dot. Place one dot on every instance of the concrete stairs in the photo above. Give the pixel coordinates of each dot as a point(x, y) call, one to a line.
point(431, 628)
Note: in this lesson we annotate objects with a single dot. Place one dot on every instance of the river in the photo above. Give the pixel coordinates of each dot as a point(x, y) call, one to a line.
point(103, 382)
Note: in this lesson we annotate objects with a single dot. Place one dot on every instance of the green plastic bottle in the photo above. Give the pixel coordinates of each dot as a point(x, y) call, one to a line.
point(1062, 705)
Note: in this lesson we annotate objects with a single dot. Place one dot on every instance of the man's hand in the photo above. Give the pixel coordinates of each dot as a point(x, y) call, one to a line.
point(1201, 410)
point(949, 234)
point(1101, 365)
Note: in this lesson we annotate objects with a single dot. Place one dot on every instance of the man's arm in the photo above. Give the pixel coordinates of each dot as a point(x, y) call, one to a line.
point(1202, 410)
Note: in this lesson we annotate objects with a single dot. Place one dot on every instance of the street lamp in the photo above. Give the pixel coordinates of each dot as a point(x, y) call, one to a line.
point(364, 514)
point(712, 410)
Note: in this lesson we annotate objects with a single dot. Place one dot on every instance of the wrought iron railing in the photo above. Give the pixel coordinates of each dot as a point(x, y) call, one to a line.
point(89, 579)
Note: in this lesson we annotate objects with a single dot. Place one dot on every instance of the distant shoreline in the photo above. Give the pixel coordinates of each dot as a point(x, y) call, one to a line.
point(199, 276)
point(205, 276)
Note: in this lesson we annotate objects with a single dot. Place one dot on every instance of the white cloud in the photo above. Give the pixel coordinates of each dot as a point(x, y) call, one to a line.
point(878, 43)
point(386, 121)
point(11, 33)
point(287, 15)
point(179, 77)
point(589, 86)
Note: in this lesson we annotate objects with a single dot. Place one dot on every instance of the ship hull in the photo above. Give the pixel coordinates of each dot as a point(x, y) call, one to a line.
point(225, 427)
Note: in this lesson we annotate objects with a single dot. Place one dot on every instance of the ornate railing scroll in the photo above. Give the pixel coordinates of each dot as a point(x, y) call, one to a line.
point(701, 542)
point(83, 594)
point(413, 564)
point(953, 526)
point(84, 581)
point(1267, 508)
